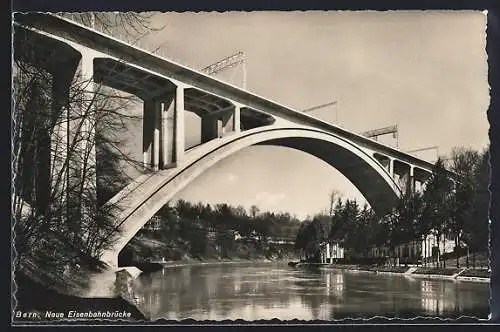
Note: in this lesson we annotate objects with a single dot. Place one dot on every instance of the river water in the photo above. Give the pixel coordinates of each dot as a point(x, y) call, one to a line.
point(255, 291)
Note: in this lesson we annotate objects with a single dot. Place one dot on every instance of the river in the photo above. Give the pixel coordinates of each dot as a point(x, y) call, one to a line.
point(254, 291)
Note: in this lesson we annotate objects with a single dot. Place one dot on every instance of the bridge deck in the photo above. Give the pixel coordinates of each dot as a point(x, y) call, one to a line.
point(70, 30)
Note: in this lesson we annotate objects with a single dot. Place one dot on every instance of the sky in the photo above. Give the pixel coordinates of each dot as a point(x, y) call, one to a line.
point(424, 71)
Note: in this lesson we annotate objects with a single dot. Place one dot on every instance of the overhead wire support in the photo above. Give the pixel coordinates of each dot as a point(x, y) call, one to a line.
point(228, 62)
point(313, 108)
point(319, 106)
point(423, 149)
point(381, 131)
point(375, 133)
point(435, 147)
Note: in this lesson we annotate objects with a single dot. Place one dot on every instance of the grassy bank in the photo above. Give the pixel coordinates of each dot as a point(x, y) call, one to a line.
point(437, 271)
point(483, 273)
point(394, 269)
point(447, 273)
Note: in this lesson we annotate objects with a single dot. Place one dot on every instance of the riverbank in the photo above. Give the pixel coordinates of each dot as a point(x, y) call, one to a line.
point(37, 304)
point(416, 272)
point(146, 248)
point(194, 262)
point(154, 266)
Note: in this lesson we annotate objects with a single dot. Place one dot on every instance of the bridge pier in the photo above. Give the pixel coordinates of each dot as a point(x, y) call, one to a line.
point(179, 144)
point(157, 108)
point(220, 124)
point(237, 119)
point(231, 121)
point(210, 128)
point(88, 114)
point(404, 174)
point(61, 134)
point(420, 178)
point(391, 167)
point(411, 180)
point(147, 132)
point(163, 130)
point(227, 124)
point(386, 162)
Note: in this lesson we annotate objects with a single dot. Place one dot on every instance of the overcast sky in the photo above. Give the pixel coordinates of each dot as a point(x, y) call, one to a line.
point(424, 71)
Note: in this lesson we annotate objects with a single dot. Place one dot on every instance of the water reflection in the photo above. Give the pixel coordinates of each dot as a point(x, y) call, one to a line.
point(267, 291)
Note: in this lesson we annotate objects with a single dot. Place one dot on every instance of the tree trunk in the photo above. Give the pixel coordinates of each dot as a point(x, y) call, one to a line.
point(467, 258)
point(438, 256)
point(444, 252)
point(457, 249)
point(424, 256)
point(474, 260)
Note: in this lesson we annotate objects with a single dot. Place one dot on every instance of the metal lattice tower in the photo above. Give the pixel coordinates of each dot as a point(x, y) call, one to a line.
point(375, 133)
point(228, 62)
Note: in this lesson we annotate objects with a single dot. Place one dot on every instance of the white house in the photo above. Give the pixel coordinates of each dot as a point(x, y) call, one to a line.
point(423, 249)
point(154, 224)
point(331, 250)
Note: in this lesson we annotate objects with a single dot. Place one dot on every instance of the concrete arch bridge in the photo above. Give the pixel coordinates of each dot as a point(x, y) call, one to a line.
point(231, 119)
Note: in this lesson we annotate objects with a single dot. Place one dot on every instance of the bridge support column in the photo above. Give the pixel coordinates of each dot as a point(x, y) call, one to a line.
point(227, 124)
point(391, 167)
point(61, 135)
point(168, 131)
point(82, 170)
point(89, 116)
point(411, 180)
point(418, 185)
point(170, 119)
point(210, 128)
point(237, 119)
point(156, 134)
point(231, 122)
point(147, 132)
point(157, 107)
point(179, 124)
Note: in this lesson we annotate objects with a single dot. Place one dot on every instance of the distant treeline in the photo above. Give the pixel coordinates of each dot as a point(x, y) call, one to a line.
point(457, 210)
point(218, 231)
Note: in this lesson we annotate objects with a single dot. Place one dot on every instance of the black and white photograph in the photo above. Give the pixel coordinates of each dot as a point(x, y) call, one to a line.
point(250, 166)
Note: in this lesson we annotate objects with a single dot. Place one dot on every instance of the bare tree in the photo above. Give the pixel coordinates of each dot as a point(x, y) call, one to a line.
point(333, 198)
point(130, 27)
point(57, 211)
point(55, 168)
point(254, 211)
point(128, 24)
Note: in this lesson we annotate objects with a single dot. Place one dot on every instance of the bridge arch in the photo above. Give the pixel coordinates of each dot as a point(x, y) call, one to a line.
point(369, 176)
